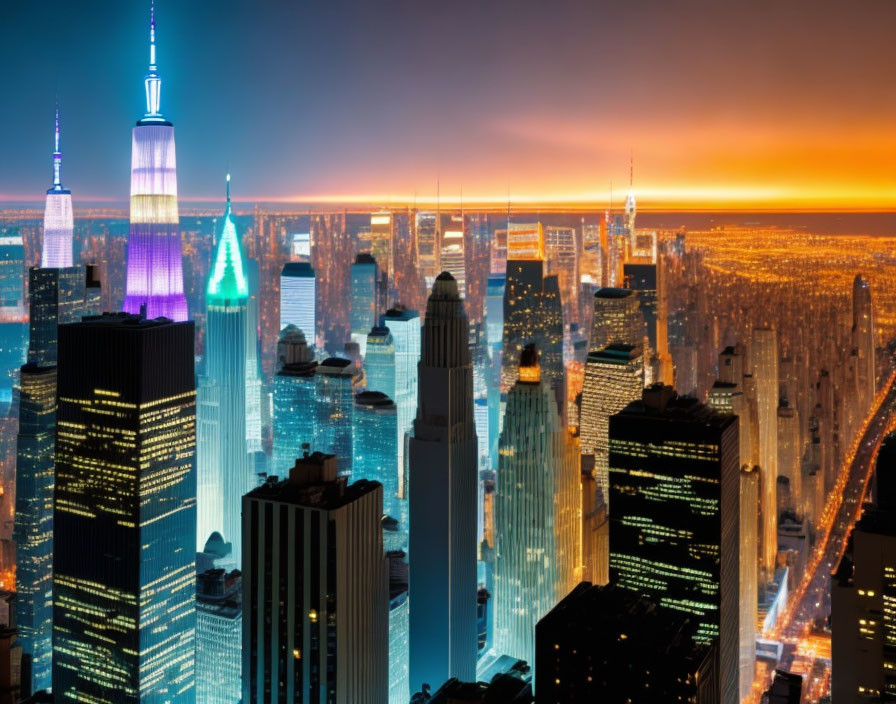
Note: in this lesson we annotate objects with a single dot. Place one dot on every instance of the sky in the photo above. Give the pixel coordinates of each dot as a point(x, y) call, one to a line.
point(753, 104)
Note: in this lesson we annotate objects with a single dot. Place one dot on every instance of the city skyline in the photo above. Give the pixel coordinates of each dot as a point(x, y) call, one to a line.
point(549, 117)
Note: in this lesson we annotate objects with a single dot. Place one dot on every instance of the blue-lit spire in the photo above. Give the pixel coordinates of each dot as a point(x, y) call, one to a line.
point(153, 82)
point(57, 157)
point(227, 280)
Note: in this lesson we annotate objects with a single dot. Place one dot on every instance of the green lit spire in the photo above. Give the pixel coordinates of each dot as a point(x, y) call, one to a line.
point(227, 280)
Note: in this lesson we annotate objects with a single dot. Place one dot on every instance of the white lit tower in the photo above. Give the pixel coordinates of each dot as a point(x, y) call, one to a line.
point(155, 281)
point(765, 371)
point(58, 222)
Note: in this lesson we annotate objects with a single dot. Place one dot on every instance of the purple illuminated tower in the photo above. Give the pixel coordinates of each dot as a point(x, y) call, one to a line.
point(58, 226)
point(155, 281)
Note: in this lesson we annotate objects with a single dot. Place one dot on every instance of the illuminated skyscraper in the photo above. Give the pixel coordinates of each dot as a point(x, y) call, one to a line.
point(223, 470)
point(863, 340)
point(320, 631)
point(675, 519)
point(452, 258)
point(765, 372)
point(295, 398)
point(58, 221)
point(381, 245)
point(13, 315)
point(617, 318)
point(335, 391)
point(429, 246)
point(379, 364)
point(644, 278)
point(364, 298)
point(443, 479)
point(298, 298)
point(253, 367)
point(399, 654)
point(219, 637)
point(375, 444)
point(614, 377)
point(155, 281)
point(404, 325)
point(125, 512)
point(537, 510)
point(749, 574)
point(562, 248)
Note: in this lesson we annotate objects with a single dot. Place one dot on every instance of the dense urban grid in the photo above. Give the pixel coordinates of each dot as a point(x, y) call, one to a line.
point(396, 455)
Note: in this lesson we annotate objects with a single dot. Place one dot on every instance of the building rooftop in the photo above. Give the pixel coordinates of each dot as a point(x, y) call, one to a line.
point(297, 269)
point(662, 402)
point(609, 292)
point(124, 320)
point(616, 353)
point(374, 399)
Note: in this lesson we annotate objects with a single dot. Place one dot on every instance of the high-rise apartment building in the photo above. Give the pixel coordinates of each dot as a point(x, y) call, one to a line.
point(219, 637)
point(298, 299)
point(537, 512)
point(674, 523)
point(295, 398)
point(443, 480)
point(125, 512)
point(315, 589)
point(223, 472)
point(155, 280)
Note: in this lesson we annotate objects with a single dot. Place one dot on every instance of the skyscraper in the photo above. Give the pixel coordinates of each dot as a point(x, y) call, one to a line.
point(219, 637)
point(404, 325)
point(765, 372)
point(429, 246)
point(155, 281)
point(379, 363)
point(674, 524)
point(364, 298)
point(749, 574)
point(614, 377)
point(125, 512)
point(335, 391)
point(298, 298)
point(375, 444)
point(58, 221)
point(617, 318)
point(295, 396)
point(537, 509)
point(443, 478)
point(315, 589)
point(452, 258)
point(223, 470)
point(13, 314)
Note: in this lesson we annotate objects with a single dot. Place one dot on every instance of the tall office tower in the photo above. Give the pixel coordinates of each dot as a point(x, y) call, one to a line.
point(33, 528)
point(494, 313)
point(617, 318)
point(223, 470)
point(295, 398)
point(674, 526)
point(335, 391)
point(765, 371)
point(13, 314)
point(610, 645)
point(614, 377)
point(863, 340)
point(497, 258)
point(404, 324)
point(399, 653)
point(315, 589)
point(219, 637)
point(298, 298)
point(155, 280)
point(537, 507)
point(125, 512)
point(644, 279)
point(379, 363)
point(533, 312)
point(790, 453)
point(749, 574)
point(525, 242)
point(443, 479)
point(364, 298)
point(375, 444)
point(452, 257)
point(562, 248)
point(253, 366)
point(429, 246)
point(863, 591)
point(381, 246)
point(58, 221)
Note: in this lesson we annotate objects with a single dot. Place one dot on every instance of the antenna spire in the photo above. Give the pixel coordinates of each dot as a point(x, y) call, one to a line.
point(152, 82)
point(57, 155)
point(228, 191)
point(631, 169)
